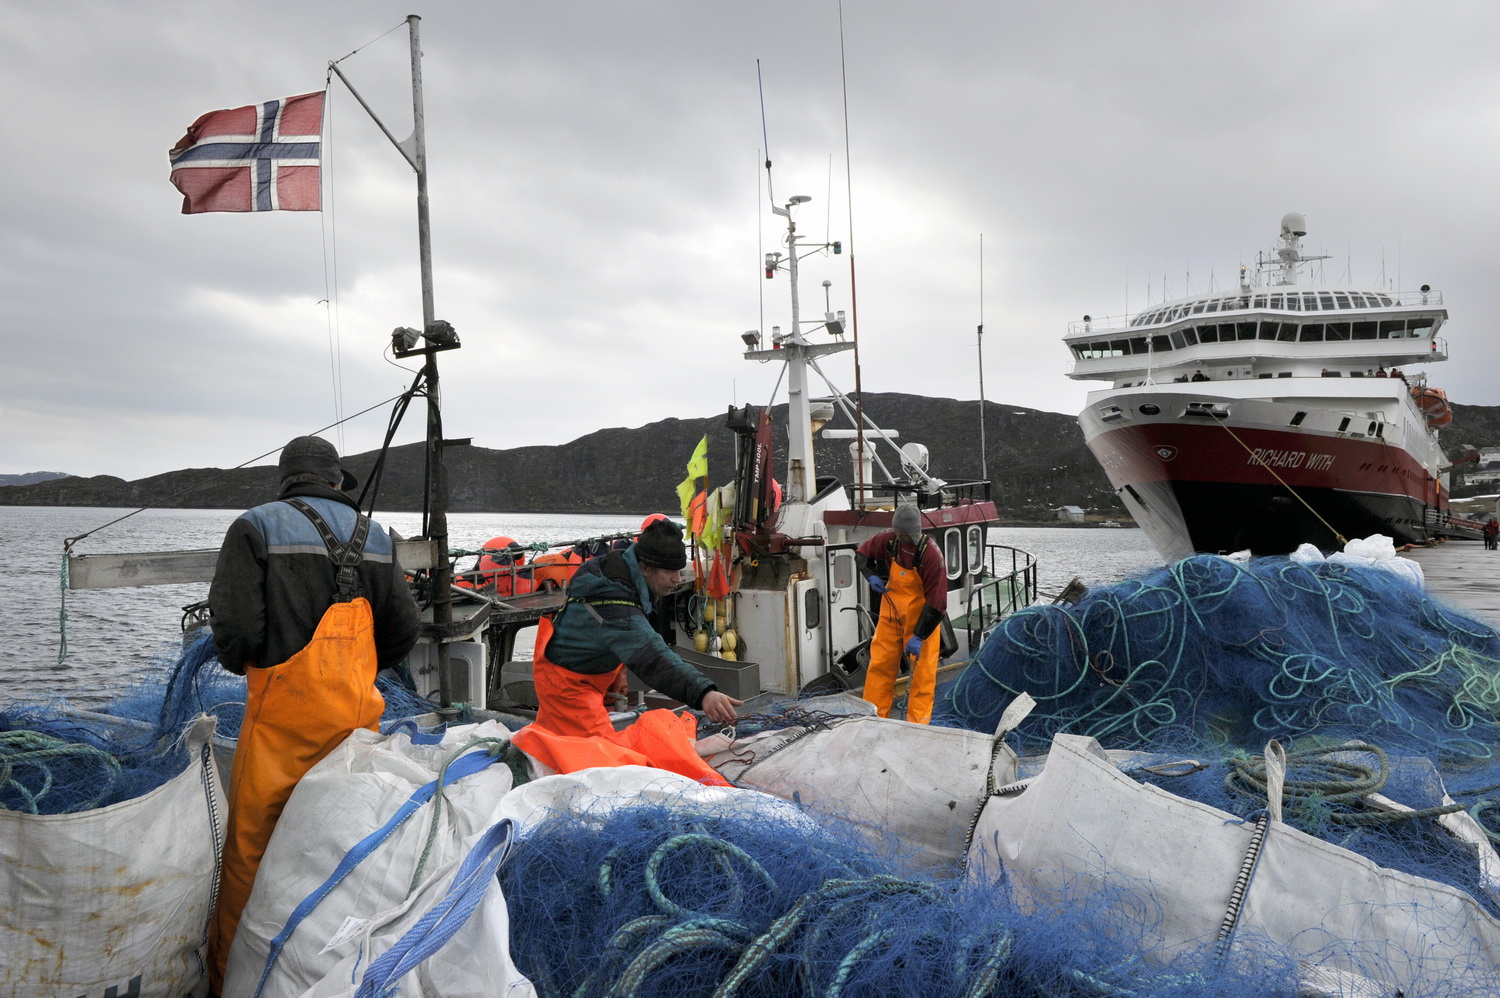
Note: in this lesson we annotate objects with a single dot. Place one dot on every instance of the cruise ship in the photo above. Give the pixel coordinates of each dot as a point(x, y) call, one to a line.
point(1273, 414)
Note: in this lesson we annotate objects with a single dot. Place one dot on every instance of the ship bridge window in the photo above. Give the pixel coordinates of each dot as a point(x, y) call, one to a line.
point(1393, 329)
point(1119, 348)
point(1311, 333)
point(1294, 303)
point(1208, 334)
point(1268, 330)
point(1178, 340)
point(1325, 301)
point(1259, 301)
point(1278, 301)
point(1246, 330)
point(953, 552)
point(1364, 330)
point(1342, 299)
point(1287, 333)
point(1197, 307)
point(1137, 344)
point(1191, 335)
point(1212, 306)
point(1160, 342)
point(1337, 332)
point(1419, 328)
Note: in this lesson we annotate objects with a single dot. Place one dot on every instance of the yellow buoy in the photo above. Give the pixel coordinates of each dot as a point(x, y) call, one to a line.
point(700, 641)
point(731, 640)
point(728, 655)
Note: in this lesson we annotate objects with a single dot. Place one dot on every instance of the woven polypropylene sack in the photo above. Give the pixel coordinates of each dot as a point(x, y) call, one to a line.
point(115, 900)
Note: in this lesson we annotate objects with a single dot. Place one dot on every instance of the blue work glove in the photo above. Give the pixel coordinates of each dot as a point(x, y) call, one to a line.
point(914, 646)
point(877, 584)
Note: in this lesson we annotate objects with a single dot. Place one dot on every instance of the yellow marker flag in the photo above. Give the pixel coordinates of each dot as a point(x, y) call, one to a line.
point(697, 467)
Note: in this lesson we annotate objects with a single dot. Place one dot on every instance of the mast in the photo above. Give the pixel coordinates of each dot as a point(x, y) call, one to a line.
point(436, 336)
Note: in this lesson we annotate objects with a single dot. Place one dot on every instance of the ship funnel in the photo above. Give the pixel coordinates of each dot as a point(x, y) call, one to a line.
point(1293, 223)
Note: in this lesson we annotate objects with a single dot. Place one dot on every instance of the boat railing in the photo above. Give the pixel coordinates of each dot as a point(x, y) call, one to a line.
point(1232, 304)
point(1008, 584)
point(949, 494)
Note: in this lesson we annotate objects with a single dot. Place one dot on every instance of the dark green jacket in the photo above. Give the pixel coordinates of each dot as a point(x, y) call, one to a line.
point(603, 625)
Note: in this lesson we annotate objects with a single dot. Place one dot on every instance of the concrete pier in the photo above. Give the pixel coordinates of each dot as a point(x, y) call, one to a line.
point(1463, 573)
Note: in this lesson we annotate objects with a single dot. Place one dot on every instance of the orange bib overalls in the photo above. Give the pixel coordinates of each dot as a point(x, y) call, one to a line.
point(899, 611)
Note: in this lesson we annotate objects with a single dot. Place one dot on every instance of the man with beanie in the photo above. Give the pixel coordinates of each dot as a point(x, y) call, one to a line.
point(308, 603)
point(907, 569)
point(602, 630)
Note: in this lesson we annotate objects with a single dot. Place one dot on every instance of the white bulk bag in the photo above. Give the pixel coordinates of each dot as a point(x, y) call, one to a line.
point(346, 849)
point(115, 900)
point(1082, 829)
point(913, 785)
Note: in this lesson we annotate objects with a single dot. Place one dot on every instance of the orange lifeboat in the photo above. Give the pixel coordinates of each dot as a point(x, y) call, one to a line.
point(500, 566)
point(1433, 403)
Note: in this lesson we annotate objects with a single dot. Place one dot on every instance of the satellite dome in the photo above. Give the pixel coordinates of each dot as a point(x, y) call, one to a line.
point(1293, 222)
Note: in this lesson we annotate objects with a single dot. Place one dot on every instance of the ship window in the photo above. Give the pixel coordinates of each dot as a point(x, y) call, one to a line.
point(812, 608)
point(1268, 330)
point(1197, 307)
point(1343, 424)
point(1137, 344)
point(1287, 333)
point(1149, 409)
point(1342, 299)
point(1379, 430)
point(1297, 419)
point(1258, 302)
point(1119, 348)
point(1277, 301)
point(1326, 301)
point(1212, 306)
point(1362, 301)
point(1311, 333)
point(1247, 330)
point(1393, 329)
point(1371, 430)
point(1191, 335)
point(976, 550)
point(1387, 301)
point(1208, 334)
point(1178, 340)
point(1419, 328)
point(1337, 332)
point(953, 552)
point(1364, 330)
point(1160, 342)
point(1294, 303)
point(1284, 374)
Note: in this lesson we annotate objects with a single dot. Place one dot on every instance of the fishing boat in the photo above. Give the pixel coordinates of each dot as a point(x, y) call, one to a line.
point(1272, 414)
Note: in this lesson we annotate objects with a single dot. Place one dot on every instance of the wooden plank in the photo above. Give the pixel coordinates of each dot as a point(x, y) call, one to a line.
point(165, 568)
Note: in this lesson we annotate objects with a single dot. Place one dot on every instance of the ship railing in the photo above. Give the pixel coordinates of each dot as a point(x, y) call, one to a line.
point(1007, 584)
point(1131, 320)
point(950, 494)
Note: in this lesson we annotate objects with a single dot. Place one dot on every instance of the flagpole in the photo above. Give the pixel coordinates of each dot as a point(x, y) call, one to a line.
point(437, 483)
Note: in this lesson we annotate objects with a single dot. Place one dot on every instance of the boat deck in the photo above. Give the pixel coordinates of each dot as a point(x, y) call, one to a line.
point(1464, 574)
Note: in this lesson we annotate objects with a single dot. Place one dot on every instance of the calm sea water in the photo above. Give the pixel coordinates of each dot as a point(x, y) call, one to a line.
point(114, 634)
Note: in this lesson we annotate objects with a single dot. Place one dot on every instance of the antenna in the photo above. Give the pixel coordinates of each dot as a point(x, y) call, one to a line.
point(765, 135)
point(984, 472)
point(859, 394)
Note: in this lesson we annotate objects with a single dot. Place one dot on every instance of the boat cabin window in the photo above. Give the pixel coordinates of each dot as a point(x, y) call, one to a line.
point(1343, 424)
point(1337, 332)
point(1393, 329)
point(1208, 334)
point(1212, 306)
point(1191, 335)
point(1311, 333)
point(976, 550)
point(1287, 333)
point(1247, 330)
point(1342, 299)
point(1294, 303)
point(1268, 330)
point(1178, 340)
point(1326, 301)
point(1160, 342)
point(953, 552)
point(1137, 344)
point(843, 570)
point(1364, 330)
point(1419, 328)
point(1297, 419)
point(1197, 307)
point(1259, 301)
point(1277, 301)
point(1284, 374)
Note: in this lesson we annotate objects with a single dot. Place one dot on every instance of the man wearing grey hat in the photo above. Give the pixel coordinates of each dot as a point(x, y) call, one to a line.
point(308, 603)
point(907, 570)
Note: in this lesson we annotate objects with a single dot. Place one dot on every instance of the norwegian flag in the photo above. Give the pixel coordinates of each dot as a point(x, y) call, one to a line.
point(263, 157)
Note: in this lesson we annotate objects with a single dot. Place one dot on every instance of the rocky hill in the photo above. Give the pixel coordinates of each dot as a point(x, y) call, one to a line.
point(1036, 460)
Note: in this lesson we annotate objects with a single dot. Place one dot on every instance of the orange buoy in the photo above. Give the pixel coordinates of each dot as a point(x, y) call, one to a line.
point(500, 566)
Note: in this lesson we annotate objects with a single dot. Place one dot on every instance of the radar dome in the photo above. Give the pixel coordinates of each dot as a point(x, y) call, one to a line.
point(1294, 223)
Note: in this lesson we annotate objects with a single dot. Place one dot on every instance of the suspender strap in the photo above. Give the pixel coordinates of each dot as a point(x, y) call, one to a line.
point(346, 557)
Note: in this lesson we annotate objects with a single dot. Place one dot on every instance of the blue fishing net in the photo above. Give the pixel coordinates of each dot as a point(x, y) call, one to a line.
point(671, 901)
point(1210, 659)
point(55, 759)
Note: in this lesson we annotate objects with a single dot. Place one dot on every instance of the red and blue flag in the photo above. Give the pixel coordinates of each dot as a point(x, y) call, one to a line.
point(262, 157)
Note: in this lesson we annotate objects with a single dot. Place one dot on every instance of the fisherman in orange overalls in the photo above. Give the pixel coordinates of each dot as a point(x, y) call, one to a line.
point(907, 570)
point(308, 602)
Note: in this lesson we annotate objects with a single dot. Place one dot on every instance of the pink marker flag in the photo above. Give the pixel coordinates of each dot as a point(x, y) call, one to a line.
point(262, 157)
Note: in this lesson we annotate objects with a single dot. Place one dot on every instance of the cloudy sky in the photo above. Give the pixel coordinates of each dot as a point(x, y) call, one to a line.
point(598, 211)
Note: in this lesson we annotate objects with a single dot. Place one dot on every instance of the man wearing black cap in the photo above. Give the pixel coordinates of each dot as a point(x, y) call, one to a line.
point(602, 630)
point(308, 603)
